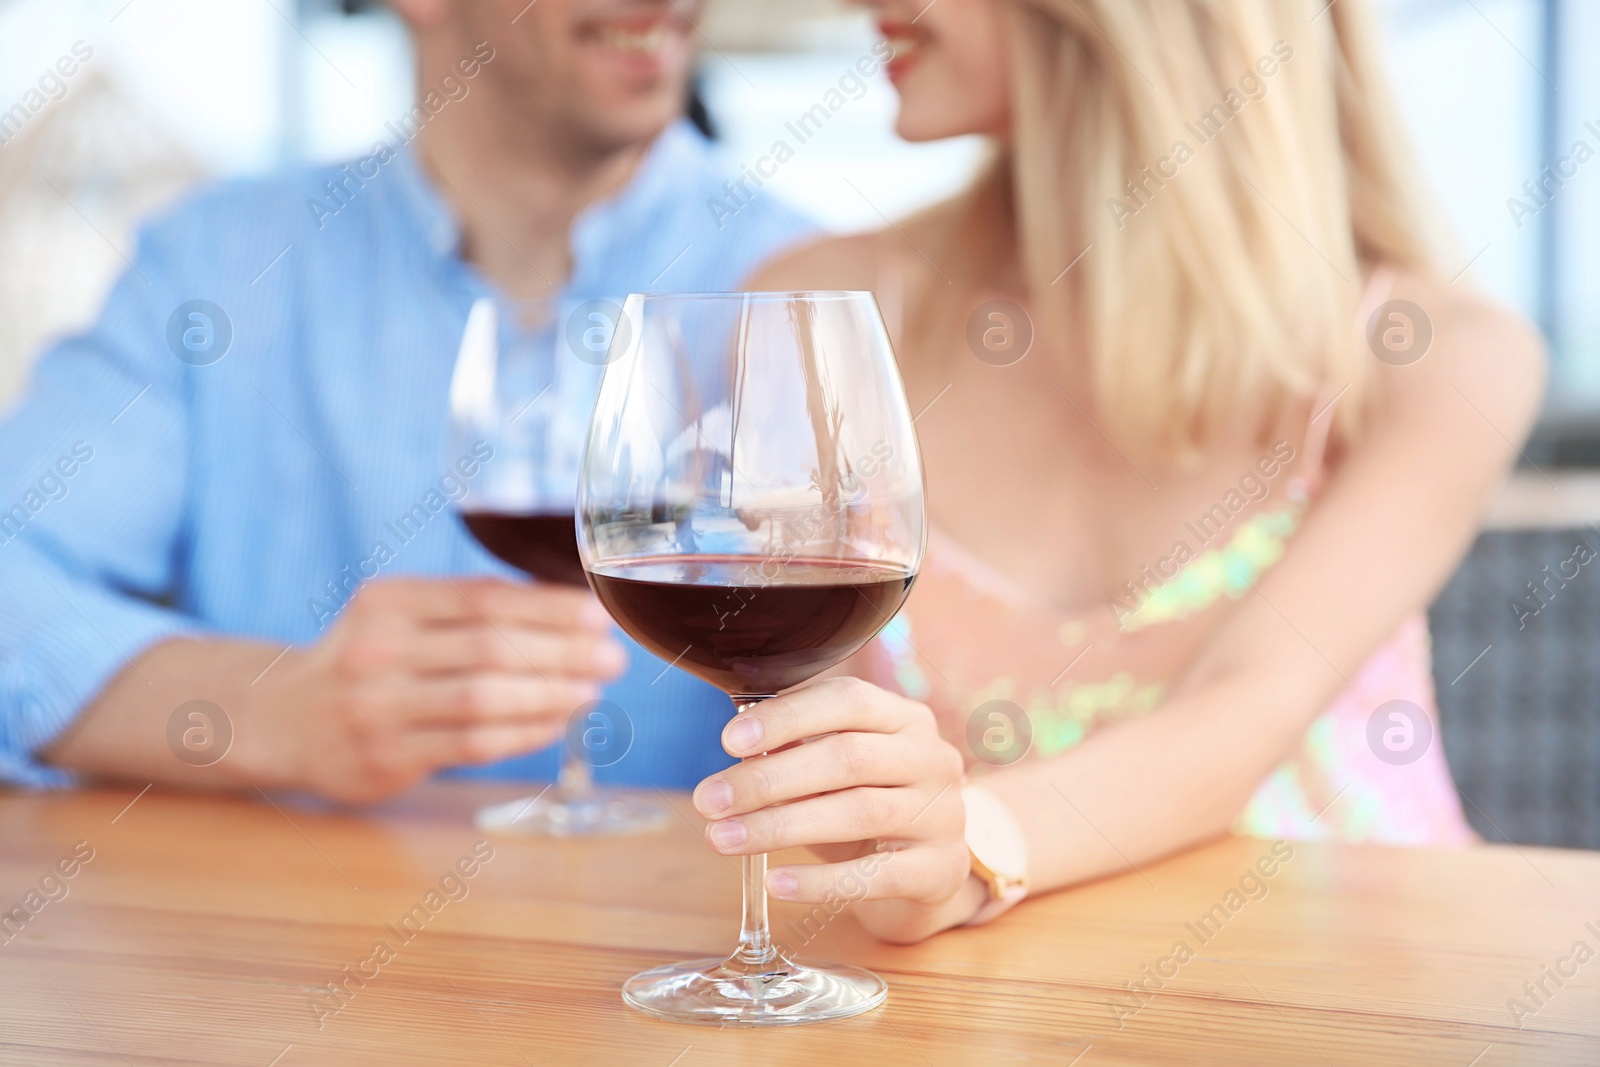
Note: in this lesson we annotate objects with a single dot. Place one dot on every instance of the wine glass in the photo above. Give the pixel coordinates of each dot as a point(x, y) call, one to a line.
point(532, 408)
point(751, 509)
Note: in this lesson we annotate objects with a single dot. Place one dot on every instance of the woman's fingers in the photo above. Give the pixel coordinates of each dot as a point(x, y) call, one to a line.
point(838, 761)
point(828, 706)
point(857, 814)
point(876, 776)
point(920, 872)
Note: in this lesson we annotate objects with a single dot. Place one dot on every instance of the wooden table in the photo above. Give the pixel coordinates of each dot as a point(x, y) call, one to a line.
point(203, 930)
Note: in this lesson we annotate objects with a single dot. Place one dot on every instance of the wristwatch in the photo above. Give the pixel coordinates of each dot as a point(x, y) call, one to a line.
point(998, 850)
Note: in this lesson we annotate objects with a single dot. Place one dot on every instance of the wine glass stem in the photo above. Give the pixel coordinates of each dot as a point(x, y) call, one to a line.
point(755, 934)
point(574, 779)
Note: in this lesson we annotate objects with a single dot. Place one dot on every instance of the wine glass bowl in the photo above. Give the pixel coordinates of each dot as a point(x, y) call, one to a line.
point(751, 510)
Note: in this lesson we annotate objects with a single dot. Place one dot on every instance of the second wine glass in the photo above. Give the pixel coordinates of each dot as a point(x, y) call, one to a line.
point(508, 393)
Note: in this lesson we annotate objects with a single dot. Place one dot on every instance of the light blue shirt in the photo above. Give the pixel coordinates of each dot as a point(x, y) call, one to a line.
point(147, 492)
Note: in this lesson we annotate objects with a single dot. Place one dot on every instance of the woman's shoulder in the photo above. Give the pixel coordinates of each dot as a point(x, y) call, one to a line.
point(867, 261)
point(854, 261)
point(1460, 312)
point(1434, 336)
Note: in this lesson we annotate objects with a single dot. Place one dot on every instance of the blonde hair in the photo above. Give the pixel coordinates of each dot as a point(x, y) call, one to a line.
point(1226, 170)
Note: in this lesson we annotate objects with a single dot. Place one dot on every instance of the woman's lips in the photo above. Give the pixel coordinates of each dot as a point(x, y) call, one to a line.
point(905, 43)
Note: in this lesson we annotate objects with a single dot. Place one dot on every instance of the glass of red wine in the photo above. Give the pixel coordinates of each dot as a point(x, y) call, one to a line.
point(533, 409)
point(751, 509)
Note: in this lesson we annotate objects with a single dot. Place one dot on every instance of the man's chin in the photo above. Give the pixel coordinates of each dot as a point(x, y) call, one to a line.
point(636, 123)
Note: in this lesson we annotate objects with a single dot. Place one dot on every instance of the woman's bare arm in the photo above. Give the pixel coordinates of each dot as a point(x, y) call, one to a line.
point(1391, 526)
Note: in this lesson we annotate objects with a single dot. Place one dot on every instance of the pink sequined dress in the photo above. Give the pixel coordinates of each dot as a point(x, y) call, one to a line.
point(968, 635)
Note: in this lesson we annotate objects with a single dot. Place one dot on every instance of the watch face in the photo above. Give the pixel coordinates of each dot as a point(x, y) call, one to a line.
point(994, 836)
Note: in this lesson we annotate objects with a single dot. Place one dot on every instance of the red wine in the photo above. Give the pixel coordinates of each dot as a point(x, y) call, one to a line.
point(748, 624)
point(546, 546)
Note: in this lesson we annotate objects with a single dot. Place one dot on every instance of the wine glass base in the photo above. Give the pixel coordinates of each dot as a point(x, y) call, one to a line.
point(723, 992)
point(601, 813)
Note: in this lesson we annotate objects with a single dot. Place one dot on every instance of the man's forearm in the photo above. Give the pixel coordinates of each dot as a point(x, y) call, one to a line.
point(128, 730)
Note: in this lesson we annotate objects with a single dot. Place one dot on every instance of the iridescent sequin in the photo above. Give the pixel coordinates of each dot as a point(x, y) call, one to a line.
point(1220, 572)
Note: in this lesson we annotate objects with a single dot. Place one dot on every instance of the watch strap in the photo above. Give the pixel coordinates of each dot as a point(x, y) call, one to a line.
point(993, 831)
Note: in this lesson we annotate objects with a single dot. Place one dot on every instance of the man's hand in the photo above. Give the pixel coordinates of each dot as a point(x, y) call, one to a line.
point(420, 675)
point(415, 676)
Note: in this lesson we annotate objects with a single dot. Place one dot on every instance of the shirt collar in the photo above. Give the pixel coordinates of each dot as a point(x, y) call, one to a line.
point(680, 147)
point(433, 217)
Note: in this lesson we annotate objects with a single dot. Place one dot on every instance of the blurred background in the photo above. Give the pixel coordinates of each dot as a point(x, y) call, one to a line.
point(1497, 95)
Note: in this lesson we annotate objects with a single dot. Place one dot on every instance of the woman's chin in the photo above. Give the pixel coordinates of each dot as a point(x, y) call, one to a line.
point(911, 126)
point(933, 119)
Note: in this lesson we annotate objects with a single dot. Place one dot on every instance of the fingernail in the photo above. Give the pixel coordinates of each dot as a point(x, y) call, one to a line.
point(743, 735)
point(782, 884)
point(594, 616)
point(713, 797)
point(730, 833)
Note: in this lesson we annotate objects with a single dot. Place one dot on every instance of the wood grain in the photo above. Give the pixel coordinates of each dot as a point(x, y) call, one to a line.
point(203, 929)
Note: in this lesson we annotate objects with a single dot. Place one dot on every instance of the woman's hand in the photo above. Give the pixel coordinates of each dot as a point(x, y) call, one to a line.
point(876, 794)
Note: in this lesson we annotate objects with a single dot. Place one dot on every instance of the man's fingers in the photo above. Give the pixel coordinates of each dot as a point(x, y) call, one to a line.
point(828, 706)
point(837, 761)
point(546, 605)
point(444, 747)
point(454, 601)
point(470, 649)
point(491, 698)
